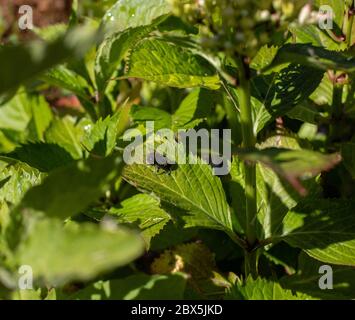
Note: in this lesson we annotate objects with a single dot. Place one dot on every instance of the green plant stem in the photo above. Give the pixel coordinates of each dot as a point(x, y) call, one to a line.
point(249, 141)
point(350, 22)
point(251, 264)
point(337, 100)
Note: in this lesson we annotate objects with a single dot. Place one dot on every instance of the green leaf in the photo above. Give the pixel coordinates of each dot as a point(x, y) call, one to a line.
point(41, 117)
point(101, 138)
point(307, 280)
point(59, 254)
point(51, 32)
point(264, 57)
point(42, 156)
point(161, 118)
point(16, 113)
point(192, 188)
point(314, 57)
point(16, 178)
point(274, 197)
point(136, 287)
point(165, 63)
point(275, 95)
point(133, 13)
point(20, 63)
point(262, 289)
point(65, 78)
point(311, 34)
point(292, 164)
point(323, 95)
point(71, 189)
point(113, 50)
point(145, 212)
point(65, 134)
point(307, 111)
point(322, 228)
point(338, 9)
point(194, 109)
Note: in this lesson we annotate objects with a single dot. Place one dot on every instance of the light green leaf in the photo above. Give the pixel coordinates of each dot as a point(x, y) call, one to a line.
point(113, 50)
point(323, 95)
point(161, 118)
point(194, 109)
point(338, 9)
point(262, 289)
point(59, 254)
point(16, 114)
point(64, 133)
point(165, 63)
point(192, 188)
point(16, 178)
point(101, 138)
point(264, 57)
point(145, 212)
point(134, 13)
point(311, 34)
point(41, 117)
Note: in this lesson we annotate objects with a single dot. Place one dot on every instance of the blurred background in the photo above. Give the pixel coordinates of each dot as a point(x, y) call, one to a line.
point(46, 12)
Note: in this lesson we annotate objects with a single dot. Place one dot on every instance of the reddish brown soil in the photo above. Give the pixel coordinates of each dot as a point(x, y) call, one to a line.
point(45, 12)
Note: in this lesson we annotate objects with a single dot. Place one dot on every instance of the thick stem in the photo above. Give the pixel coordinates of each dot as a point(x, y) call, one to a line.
point(251, 263)
point(249, 141)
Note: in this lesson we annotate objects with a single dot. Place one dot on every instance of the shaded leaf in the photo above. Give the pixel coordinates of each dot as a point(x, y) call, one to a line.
point(314, 57)
point(307, 280)
point(322, 228)
point(42, 156)
point(71, 189)
point(20, 63)
point(136, 287)
point(293, 164)
point(58, 254)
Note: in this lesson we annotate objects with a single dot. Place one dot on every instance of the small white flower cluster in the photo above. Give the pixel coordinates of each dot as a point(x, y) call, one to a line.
point(241, 26)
